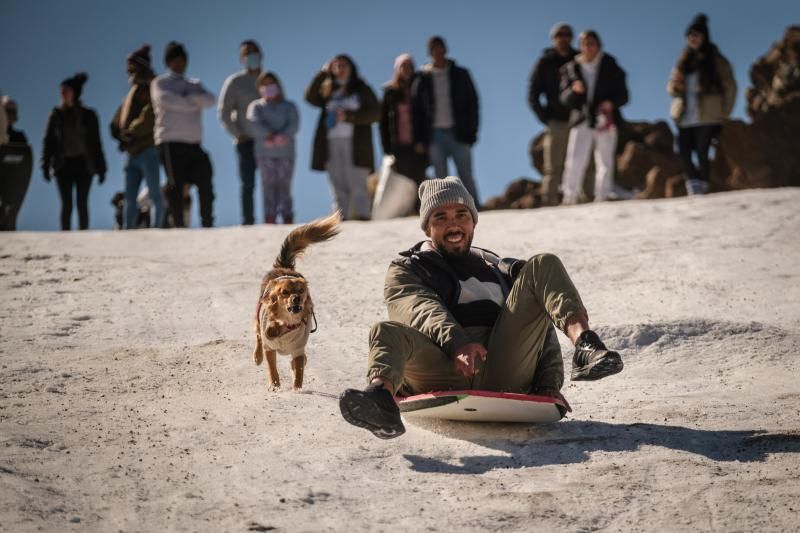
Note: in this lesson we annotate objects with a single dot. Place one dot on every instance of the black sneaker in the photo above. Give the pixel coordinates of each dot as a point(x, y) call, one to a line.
point(373, 409)
point(592, 360)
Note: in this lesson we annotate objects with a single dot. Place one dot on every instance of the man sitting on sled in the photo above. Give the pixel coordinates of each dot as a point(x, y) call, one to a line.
point(463, 318)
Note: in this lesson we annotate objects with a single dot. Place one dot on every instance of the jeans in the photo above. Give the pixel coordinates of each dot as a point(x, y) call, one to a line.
point(444, 145)
point(247, 177)
point(697, 139)
point(143, 165)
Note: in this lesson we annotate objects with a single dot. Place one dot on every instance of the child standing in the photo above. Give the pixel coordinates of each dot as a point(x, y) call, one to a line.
point(274, 122)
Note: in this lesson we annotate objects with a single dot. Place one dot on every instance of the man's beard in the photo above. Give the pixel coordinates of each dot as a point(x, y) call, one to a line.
point(442, 247)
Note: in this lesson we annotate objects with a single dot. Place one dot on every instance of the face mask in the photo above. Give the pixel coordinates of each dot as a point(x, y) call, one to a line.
point(253, 61)
point(270, 90)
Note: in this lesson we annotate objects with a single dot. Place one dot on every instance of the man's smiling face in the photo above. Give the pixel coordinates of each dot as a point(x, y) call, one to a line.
point(450, 228)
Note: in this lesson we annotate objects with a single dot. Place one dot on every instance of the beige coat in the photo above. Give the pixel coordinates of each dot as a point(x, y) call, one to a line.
point(713, 107)
point(290, 343)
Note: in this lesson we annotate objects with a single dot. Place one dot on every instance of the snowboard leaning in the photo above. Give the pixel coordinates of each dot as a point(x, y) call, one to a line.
point(483, 406)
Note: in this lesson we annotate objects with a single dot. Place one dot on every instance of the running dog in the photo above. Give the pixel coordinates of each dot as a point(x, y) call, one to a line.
point(285, 312)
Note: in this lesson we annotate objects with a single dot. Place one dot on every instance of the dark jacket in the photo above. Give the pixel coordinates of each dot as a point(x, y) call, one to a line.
point(406, 159)
point(421, 290)
point(53, 146)
point(318, 94)
point(610, 86)
point(546, 80)
point(463, 98)
point(388, 125)
point(137, 135)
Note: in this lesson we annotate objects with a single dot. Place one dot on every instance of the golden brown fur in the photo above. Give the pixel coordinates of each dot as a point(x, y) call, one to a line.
point(284, 293)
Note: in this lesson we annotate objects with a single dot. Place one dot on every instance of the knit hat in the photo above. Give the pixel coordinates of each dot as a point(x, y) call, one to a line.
point(140, 56)
point(700, 25)
point(174, 49)
point(76, 83)
point(402, 58)
point(559, 26)
point(8, 103)
point(435, 193)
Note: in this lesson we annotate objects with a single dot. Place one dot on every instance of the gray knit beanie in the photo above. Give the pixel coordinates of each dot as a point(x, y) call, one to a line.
point(434, 193)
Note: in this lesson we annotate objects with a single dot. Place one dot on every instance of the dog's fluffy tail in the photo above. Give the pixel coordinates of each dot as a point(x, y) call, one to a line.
point(300, 238)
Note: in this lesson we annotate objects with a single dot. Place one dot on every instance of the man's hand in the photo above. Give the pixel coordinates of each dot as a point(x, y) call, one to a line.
point(578, 87)
point(242, 138)
point(420, 148)
point(467, 357)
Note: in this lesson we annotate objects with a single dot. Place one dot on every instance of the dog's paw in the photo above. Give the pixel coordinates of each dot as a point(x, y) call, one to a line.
point(274, 387)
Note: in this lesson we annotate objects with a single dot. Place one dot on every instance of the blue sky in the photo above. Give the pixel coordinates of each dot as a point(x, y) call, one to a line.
point(45, 41)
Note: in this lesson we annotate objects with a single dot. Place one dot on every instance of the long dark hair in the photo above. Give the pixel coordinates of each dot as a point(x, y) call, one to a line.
point(703, 61)
point(355, 79)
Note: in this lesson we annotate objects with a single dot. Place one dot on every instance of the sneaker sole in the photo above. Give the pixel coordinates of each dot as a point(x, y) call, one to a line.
point(608, 365)
point(362, 412)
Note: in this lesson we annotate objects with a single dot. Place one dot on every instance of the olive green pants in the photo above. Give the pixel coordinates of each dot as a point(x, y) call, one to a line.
point(523, 350)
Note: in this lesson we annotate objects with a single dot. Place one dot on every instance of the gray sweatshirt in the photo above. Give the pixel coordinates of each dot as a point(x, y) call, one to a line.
point(275, 118)
point(237, 92)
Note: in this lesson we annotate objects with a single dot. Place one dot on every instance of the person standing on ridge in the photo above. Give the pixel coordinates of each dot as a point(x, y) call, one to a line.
point(238, 91)
point(132, 126)
point(703, 92)
point(446, 113)
point(343, 138)
point(178, 102)
point(73, 150)
point(545, 83)
point(274, 122)
point(593, 87)
point(397, 125)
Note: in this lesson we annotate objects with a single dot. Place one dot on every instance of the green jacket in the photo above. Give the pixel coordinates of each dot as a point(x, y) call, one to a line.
point(713, 107)
point(420, 290)
point(138, 136)
point(318, 94)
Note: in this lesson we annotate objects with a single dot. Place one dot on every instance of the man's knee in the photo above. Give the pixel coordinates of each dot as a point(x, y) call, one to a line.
point(386, 328)
point(545, 260)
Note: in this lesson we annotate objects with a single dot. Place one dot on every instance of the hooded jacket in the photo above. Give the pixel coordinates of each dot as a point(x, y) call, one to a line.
point(421, 291)
point(546, 80)
point(463, 98)
point(610, 85)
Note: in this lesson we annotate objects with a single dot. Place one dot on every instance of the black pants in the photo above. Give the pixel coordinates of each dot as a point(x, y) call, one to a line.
point(74, 174)
point(188, 164)
point(247, 176)
point(697, 139)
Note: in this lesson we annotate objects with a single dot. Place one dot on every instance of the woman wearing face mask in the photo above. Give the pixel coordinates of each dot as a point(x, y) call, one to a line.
point(273, 123)
point(397, 125)
point(343, 139)
point(72, 149)
point(703, 91)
